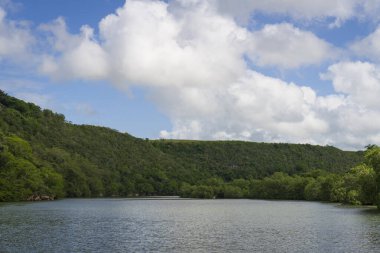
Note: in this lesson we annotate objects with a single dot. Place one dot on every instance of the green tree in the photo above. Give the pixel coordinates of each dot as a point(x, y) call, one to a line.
point(313, 190)
point(372, 159)
point(202, 192)
point(232, 192)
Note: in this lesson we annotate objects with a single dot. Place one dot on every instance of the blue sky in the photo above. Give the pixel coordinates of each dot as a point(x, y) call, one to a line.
point(127, 112)
point(272, 71)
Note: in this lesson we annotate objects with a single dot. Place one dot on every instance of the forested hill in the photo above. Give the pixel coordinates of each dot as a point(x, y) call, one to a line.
point(42, 154)
point(239, 159)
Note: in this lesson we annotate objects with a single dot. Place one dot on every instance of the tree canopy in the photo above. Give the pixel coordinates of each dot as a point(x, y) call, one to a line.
point(42, 153)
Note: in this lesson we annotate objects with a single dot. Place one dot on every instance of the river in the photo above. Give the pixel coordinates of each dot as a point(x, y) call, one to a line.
point(133, 225)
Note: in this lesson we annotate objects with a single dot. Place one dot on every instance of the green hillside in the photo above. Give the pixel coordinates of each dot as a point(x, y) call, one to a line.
point(42, 154)
point(238, 159)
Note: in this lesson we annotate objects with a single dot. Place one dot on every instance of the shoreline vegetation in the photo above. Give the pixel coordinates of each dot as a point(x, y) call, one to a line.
point(42, 156)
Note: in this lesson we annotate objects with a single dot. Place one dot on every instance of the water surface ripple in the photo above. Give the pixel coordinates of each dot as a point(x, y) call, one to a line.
point(125, 225)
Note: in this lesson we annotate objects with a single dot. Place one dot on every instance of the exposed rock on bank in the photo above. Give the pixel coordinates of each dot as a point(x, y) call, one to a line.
point(40, 198)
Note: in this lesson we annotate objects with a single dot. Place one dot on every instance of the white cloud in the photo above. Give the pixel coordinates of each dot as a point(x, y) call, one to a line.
point(369, 46)
point(286, 46)
point(339, 10)
point(190, 59)
point(355, 114)
point(370, 9)
point(151, 46)
point(360, 81)
point(79, 56)
point(156, 38)
point(15, 39)
point(254, 107)
point(198, 77)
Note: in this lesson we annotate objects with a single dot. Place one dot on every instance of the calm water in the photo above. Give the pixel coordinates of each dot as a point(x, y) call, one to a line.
point(120, 225)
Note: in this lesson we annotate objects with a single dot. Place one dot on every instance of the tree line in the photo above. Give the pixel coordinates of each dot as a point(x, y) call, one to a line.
point(43, 154)
point(357, 186)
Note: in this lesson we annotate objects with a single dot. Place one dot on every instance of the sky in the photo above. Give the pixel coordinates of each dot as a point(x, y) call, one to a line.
point(265, 70)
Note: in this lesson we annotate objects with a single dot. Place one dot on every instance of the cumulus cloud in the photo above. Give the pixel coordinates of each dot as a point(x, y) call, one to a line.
point(191, 58)
point(355, 113)
point(253, 107)
point(286, 46)
point(203, 46)
point(78, 56)
point(15, 39)
point(360, 81)
point(149, 45)
point(192, 61)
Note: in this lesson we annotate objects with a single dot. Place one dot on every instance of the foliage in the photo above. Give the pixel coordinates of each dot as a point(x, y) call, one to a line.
point(237, 159)
point(41, 153)
point(22, 175)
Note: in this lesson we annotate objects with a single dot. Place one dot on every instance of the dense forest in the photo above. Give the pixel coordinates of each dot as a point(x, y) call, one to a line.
point(43, 154)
